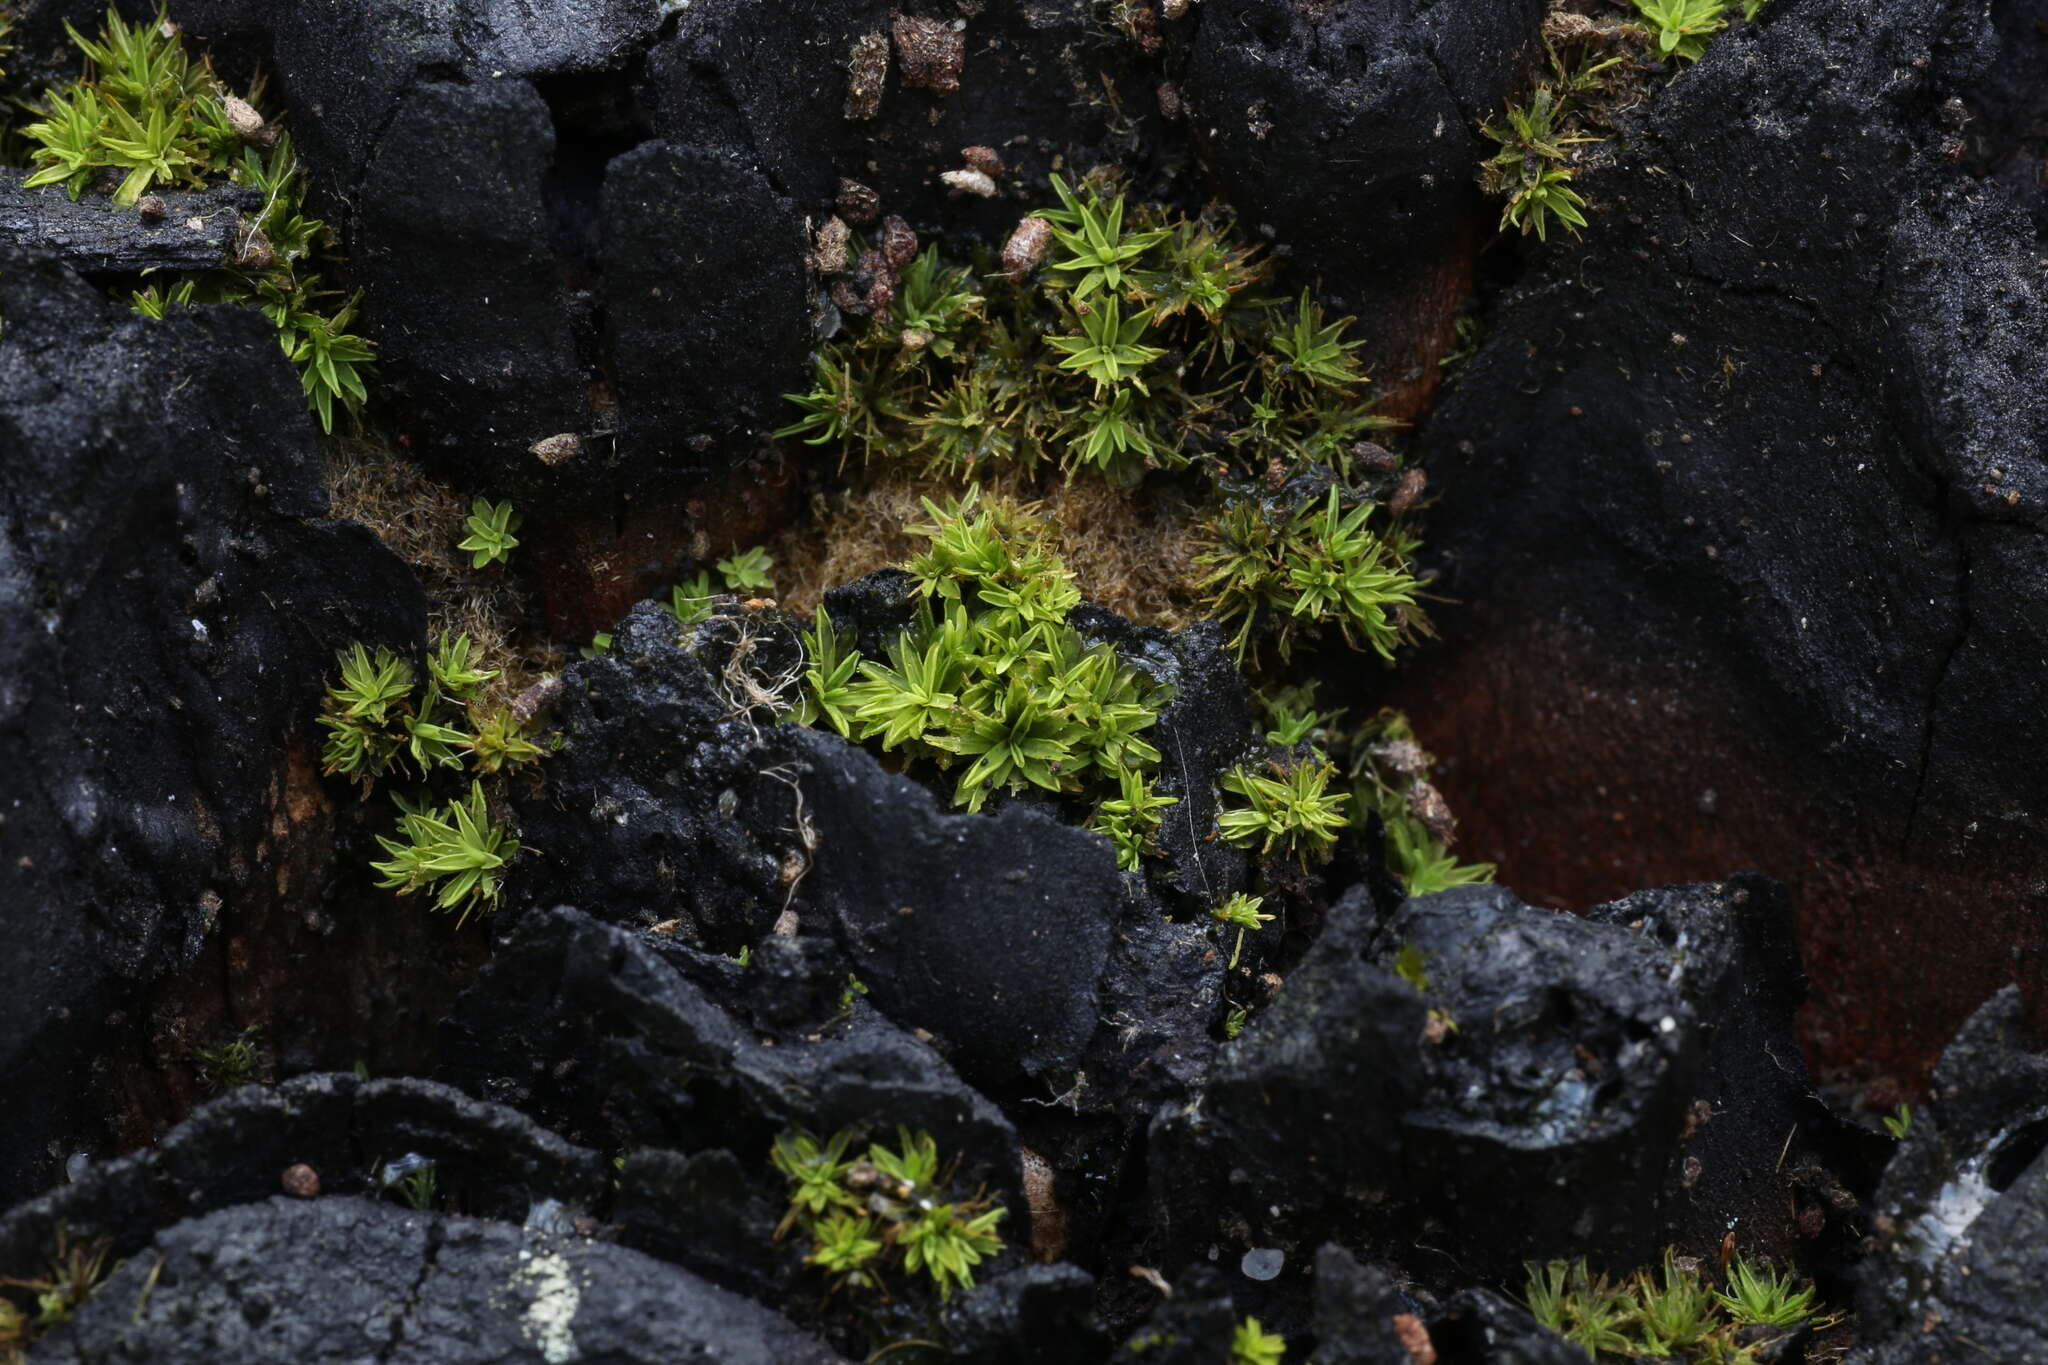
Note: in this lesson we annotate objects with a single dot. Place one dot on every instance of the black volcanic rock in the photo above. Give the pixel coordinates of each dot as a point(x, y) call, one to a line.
point(344, 1279)
point(171, 600)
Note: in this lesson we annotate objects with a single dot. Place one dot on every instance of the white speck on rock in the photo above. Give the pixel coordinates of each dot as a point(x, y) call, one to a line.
point(553, 1310)
point(1263, 1263)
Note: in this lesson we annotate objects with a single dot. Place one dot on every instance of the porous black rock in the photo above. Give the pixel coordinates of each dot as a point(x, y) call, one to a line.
point(670, 800)
point(634, 1039)
point(989, 931)
point(1301, 1114)
point(196, 230)
point(1479, 1325)
point(1755, 497)
point(1303, 113)
point(1962, 1212)
point(344, 1279)
point(1039, 1315)
point(1355, 1308)
point(1556, 1086)
point(236, 1149)
point(171, 600)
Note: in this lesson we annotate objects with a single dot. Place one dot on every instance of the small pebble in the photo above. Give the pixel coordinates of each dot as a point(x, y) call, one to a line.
point(1263, 1263)
point(301, 1181)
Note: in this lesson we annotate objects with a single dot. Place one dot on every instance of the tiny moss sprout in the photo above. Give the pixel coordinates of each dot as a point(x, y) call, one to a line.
point(231, 1064)
point(1288, 808)
point(456, 851)
point(746, 571)
point(1275, 570)
point(74, 1270)
point(1900, 1123)
point(866, 1215)
point(1234, 1020)
point(1242, 911)
point(1682, 27)
point(1412, 967)
point(1251, 1344)
point(490, 539)
point(1391, 772)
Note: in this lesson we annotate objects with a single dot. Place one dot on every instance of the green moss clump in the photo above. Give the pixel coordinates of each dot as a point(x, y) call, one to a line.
point(991, 681)
point(146, 110)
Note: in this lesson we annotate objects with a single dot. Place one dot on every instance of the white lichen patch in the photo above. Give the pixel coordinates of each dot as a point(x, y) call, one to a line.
point(552, 1313)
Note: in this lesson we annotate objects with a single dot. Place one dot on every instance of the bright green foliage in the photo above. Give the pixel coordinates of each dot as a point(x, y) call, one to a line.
point(913, 1164)
point(362, 741)
point(329, 358)
point(1764, 1296)
point(1674, 1311)
point(1234, 1020)
point(1064, 367)
point(1279, 570)
point(830, 663)
point(1093, 232)
point(934, 304)
point(1131, 818)
point(1291, 717)
point(1420, 859)
point(1900, 1123)
point(146, 109)
point(1684, 26)
point(1666, 1314)
point(815, 1174)
point(452, 666)
point(988, 678)
point(845, 1244)
point(500, 743)
point(1108, 349)
point(1251, 1344)
point(375, 725)
point(1314, 352)
point(1412, 967)
point(1414, 853)
point(490, 539)
point(232, 1064)
point(1287, 808)
point(430, 740)
point(1752, 8)
point(947, 1242)
point(1243, 911)
point(748, 571)
point(863, 1216)
point(456, 851)
point(1530, 171)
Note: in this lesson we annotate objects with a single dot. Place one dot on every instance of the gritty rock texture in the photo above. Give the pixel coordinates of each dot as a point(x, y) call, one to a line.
point(406, 1286)
point(1285, 100)
point(666, 802)
point(1964, 1206)
point(195, 231)
point(1761, 460)
point(170, 600)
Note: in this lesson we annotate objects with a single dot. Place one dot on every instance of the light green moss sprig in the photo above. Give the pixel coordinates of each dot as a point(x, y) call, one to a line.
point(990, 681)
point(867, 1216)
point(1278, 572)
